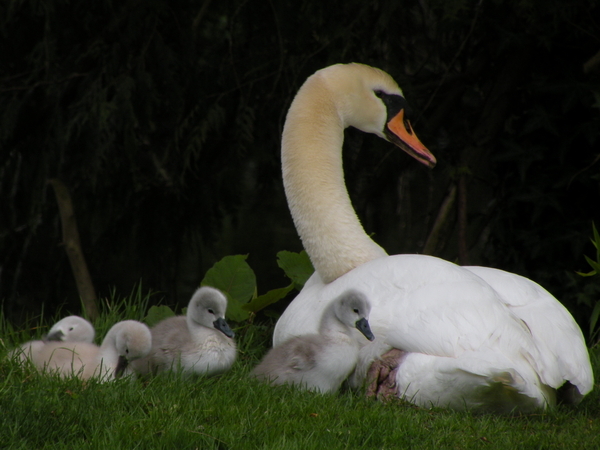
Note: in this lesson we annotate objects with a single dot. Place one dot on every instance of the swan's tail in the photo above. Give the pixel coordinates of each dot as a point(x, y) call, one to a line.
point(506, 392)
point(470, 383)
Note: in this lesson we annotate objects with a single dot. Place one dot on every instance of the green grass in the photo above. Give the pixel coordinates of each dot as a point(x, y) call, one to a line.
point(236, 412)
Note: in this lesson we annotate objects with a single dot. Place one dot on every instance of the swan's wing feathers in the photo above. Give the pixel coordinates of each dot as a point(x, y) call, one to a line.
point(448, 318)
point(419, 304)
point(562, 349)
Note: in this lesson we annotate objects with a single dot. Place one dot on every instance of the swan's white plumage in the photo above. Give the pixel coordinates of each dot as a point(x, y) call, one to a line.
point(323, 360)
point(474, 337)
point(68, 329)
point(200, 342)
point(454, 326)
point(126, 341)
point(550, 323)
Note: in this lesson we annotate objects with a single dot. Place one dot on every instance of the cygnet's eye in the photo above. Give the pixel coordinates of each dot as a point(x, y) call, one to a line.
point(210, 311)
point(379, 93)
point(127, 351)
point(356, 310)
point(71, 329)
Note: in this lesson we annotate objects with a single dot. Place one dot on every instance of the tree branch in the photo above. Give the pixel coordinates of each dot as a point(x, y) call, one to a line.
point(72, 244)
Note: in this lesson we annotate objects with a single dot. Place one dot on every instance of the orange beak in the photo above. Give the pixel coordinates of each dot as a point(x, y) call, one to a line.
point(399, 132)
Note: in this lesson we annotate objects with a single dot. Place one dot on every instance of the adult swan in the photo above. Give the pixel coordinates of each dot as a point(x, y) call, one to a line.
point(458, 337)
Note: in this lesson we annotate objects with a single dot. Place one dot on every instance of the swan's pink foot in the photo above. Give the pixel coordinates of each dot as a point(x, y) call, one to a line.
point(381, 377)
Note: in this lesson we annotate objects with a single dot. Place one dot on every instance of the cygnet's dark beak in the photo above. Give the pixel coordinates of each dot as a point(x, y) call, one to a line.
point(222, 326)
point(362, 325)
point(56, 336)
point(121, 366)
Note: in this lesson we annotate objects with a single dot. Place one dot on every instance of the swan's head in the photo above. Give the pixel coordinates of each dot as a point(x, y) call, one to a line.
point(370, 100)
point(207, 308)
point(71, 329)
point(133, 340)
point(352, 308)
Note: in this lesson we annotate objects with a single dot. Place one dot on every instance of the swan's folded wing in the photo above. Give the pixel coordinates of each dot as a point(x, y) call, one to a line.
point(557, 335)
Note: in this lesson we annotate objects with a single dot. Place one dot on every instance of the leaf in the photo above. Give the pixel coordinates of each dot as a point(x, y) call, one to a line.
point(157, 314)
point(594, 264)
point(236, 279)
point(235, 312)
point(297, 266)
point(594, 317)
point(596, 241)
point(271, 314)
point(267, 299)
point(586, 274)
point(234, 276)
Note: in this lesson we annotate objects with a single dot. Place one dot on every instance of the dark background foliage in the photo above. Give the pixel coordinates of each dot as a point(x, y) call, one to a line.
point(163, 118)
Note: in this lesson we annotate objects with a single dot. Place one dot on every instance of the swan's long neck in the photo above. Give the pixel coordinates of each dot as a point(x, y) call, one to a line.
point(314, 184)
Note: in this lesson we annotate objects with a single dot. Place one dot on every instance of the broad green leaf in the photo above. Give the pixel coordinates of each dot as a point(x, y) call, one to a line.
point(235, 312)
point(157, 314)
point(267, 299)
point(297, 266)
point(236, 279)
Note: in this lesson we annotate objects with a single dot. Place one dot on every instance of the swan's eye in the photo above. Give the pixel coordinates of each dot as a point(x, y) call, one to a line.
point(210, 311)
point(356, 310)
point(71, 329)
point(379, 93)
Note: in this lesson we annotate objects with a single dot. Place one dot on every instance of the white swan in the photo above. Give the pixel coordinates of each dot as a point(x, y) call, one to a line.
point(126, 341)
point(200, 342)
point(68, 329)
point(465, 337)
point(321, 361)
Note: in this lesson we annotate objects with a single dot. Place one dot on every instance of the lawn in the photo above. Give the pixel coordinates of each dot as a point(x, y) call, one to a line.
point(236, 412)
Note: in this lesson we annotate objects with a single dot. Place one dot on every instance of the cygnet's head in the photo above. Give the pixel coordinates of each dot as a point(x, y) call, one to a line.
point(207, 308)
point(71, 329)
point(352, 308)
point(133, 340)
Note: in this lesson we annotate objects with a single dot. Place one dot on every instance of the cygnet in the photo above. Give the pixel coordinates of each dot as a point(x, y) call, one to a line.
point(200, 342)
point(126, 341)
point(68, 329)
point(321, 362)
